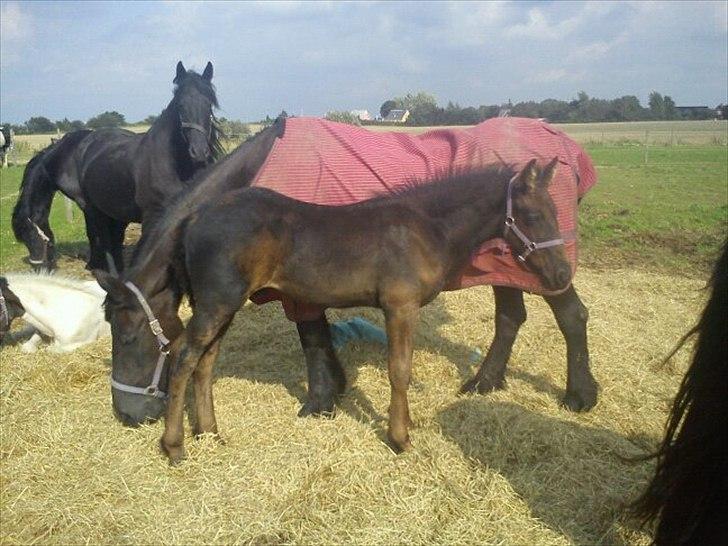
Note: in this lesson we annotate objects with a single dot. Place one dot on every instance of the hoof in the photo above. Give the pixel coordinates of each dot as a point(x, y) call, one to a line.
point(400, 446)
point(317, 409)
point(175, 454)
point(576, 401)
point(482, 386)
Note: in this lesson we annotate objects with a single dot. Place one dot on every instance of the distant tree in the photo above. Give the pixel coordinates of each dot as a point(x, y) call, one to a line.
point(657, 105)
point(106, 119)
point(722, 110)
point(283, 114)
point(149, 120)
point(40, 124)
point(343, 116)
point(63, 125)
point(233, 128)
point(387, 106)
point(627, 108)
point(670, 112)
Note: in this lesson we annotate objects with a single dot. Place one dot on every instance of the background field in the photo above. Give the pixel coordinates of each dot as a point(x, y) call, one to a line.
point(507, 468)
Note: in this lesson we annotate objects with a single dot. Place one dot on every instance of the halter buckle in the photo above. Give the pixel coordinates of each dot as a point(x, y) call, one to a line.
point(156, 328)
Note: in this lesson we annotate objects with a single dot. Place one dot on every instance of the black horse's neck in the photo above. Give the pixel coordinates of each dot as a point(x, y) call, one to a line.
point(167, 146)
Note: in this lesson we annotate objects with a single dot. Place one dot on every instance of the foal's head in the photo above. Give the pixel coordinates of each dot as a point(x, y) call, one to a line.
point(136, 350)
point(533, 233)
point(194, 100)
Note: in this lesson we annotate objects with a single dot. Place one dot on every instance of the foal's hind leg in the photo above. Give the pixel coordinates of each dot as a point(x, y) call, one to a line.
point(510, 313)
point(572, 315)
point(326, 377)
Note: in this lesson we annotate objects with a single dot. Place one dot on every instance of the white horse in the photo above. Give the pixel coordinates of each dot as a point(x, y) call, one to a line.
point(65, 312)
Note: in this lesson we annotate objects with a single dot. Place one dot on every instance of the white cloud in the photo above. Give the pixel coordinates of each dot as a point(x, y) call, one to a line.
point(14, 24)
point(539, 27)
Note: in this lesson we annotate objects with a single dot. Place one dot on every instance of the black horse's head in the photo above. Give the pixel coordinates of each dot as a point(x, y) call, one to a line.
point(10, 307)
point(194, 100)
point(532, 230)
point(136, 350)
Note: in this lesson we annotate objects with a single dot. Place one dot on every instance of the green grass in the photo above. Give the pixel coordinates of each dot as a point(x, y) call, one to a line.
point(669, 214)
point(70, 236)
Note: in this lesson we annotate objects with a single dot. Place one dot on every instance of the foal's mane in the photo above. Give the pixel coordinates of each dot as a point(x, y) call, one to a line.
point(450, 188)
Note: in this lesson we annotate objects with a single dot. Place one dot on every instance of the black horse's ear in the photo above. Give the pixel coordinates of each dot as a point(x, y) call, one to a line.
point(181, 73)
point(207, 74)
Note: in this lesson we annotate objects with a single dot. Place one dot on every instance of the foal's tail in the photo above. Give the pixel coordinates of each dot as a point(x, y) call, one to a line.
point(689, 491)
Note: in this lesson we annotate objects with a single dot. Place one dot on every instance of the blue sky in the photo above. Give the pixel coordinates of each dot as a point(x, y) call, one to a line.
point(76, 59)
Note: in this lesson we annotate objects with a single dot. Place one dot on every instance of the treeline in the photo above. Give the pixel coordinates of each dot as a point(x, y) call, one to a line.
point(424, 110)
point(41, 125)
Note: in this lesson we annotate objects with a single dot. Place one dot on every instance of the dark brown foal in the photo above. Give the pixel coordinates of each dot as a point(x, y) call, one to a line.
point(395, 252)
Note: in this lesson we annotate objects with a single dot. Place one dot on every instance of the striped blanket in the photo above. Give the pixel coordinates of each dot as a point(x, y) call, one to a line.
point(329, 163)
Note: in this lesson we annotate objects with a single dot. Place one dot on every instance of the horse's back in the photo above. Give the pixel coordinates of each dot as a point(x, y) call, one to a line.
point(106, 173)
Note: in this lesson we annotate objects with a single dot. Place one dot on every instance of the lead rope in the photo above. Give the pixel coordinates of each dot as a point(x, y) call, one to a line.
point(510, 224)
point(153, 388)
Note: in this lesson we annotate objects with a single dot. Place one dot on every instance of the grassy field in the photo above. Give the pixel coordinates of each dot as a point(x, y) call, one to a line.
point(507, 468)
point(665, 209)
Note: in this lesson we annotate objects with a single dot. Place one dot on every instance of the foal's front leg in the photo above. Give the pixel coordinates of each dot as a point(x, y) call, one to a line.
point(572, 315)
point(400, 322)
point(201, 333)
point(326, 377)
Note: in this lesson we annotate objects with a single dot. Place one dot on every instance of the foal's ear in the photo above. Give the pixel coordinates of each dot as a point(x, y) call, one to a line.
point(529, 175)
point(112, 285)
point(547, 174)
point(181, 73)
point(207, 74)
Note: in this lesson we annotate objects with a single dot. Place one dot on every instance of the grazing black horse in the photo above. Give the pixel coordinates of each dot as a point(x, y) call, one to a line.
point(116, 176)
point(396, 252)
point(689, 492)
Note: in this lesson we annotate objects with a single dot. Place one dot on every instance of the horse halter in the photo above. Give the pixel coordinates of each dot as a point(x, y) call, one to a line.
point(195, 126)
point(46, 242)
point(153, 388)
point(510, 224)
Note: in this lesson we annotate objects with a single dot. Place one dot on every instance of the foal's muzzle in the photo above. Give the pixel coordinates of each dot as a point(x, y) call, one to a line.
point(136, 409)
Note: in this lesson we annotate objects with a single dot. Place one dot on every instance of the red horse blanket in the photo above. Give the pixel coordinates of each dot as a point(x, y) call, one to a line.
point(329, 163)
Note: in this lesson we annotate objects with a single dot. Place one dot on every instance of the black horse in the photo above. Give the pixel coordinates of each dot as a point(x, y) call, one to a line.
point(688, 494)
point(117, 176)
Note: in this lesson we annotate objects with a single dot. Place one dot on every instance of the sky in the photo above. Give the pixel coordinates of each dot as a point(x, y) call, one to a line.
point(77, 59)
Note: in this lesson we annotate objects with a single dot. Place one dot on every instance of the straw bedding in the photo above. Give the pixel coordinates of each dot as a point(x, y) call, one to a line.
point(510, 467)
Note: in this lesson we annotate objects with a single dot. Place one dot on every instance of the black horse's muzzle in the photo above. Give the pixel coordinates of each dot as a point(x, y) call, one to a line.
point(136, 409)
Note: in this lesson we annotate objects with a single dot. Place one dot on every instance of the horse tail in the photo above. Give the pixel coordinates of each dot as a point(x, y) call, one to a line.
point(36, 194)
point(689, 492)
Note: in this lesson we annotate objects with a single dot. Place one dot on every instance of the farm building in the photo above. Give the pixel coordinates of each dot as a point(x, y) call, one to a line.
point(363, 115)
point(396, 116)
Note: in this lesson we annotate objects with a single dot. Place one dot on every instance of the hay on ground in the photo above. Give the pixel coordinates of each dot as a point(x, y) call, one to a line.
point(511, 467)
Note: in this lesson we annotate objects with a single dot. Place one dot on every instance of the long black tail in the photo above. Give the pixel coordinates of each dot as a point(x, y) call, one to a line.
point(689, 491)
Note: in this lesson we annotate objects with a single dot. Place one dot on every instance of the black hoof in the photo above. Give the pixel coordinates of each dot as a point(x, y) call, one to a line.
point(317, 409)
point(482, 386)
point(584, 401)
